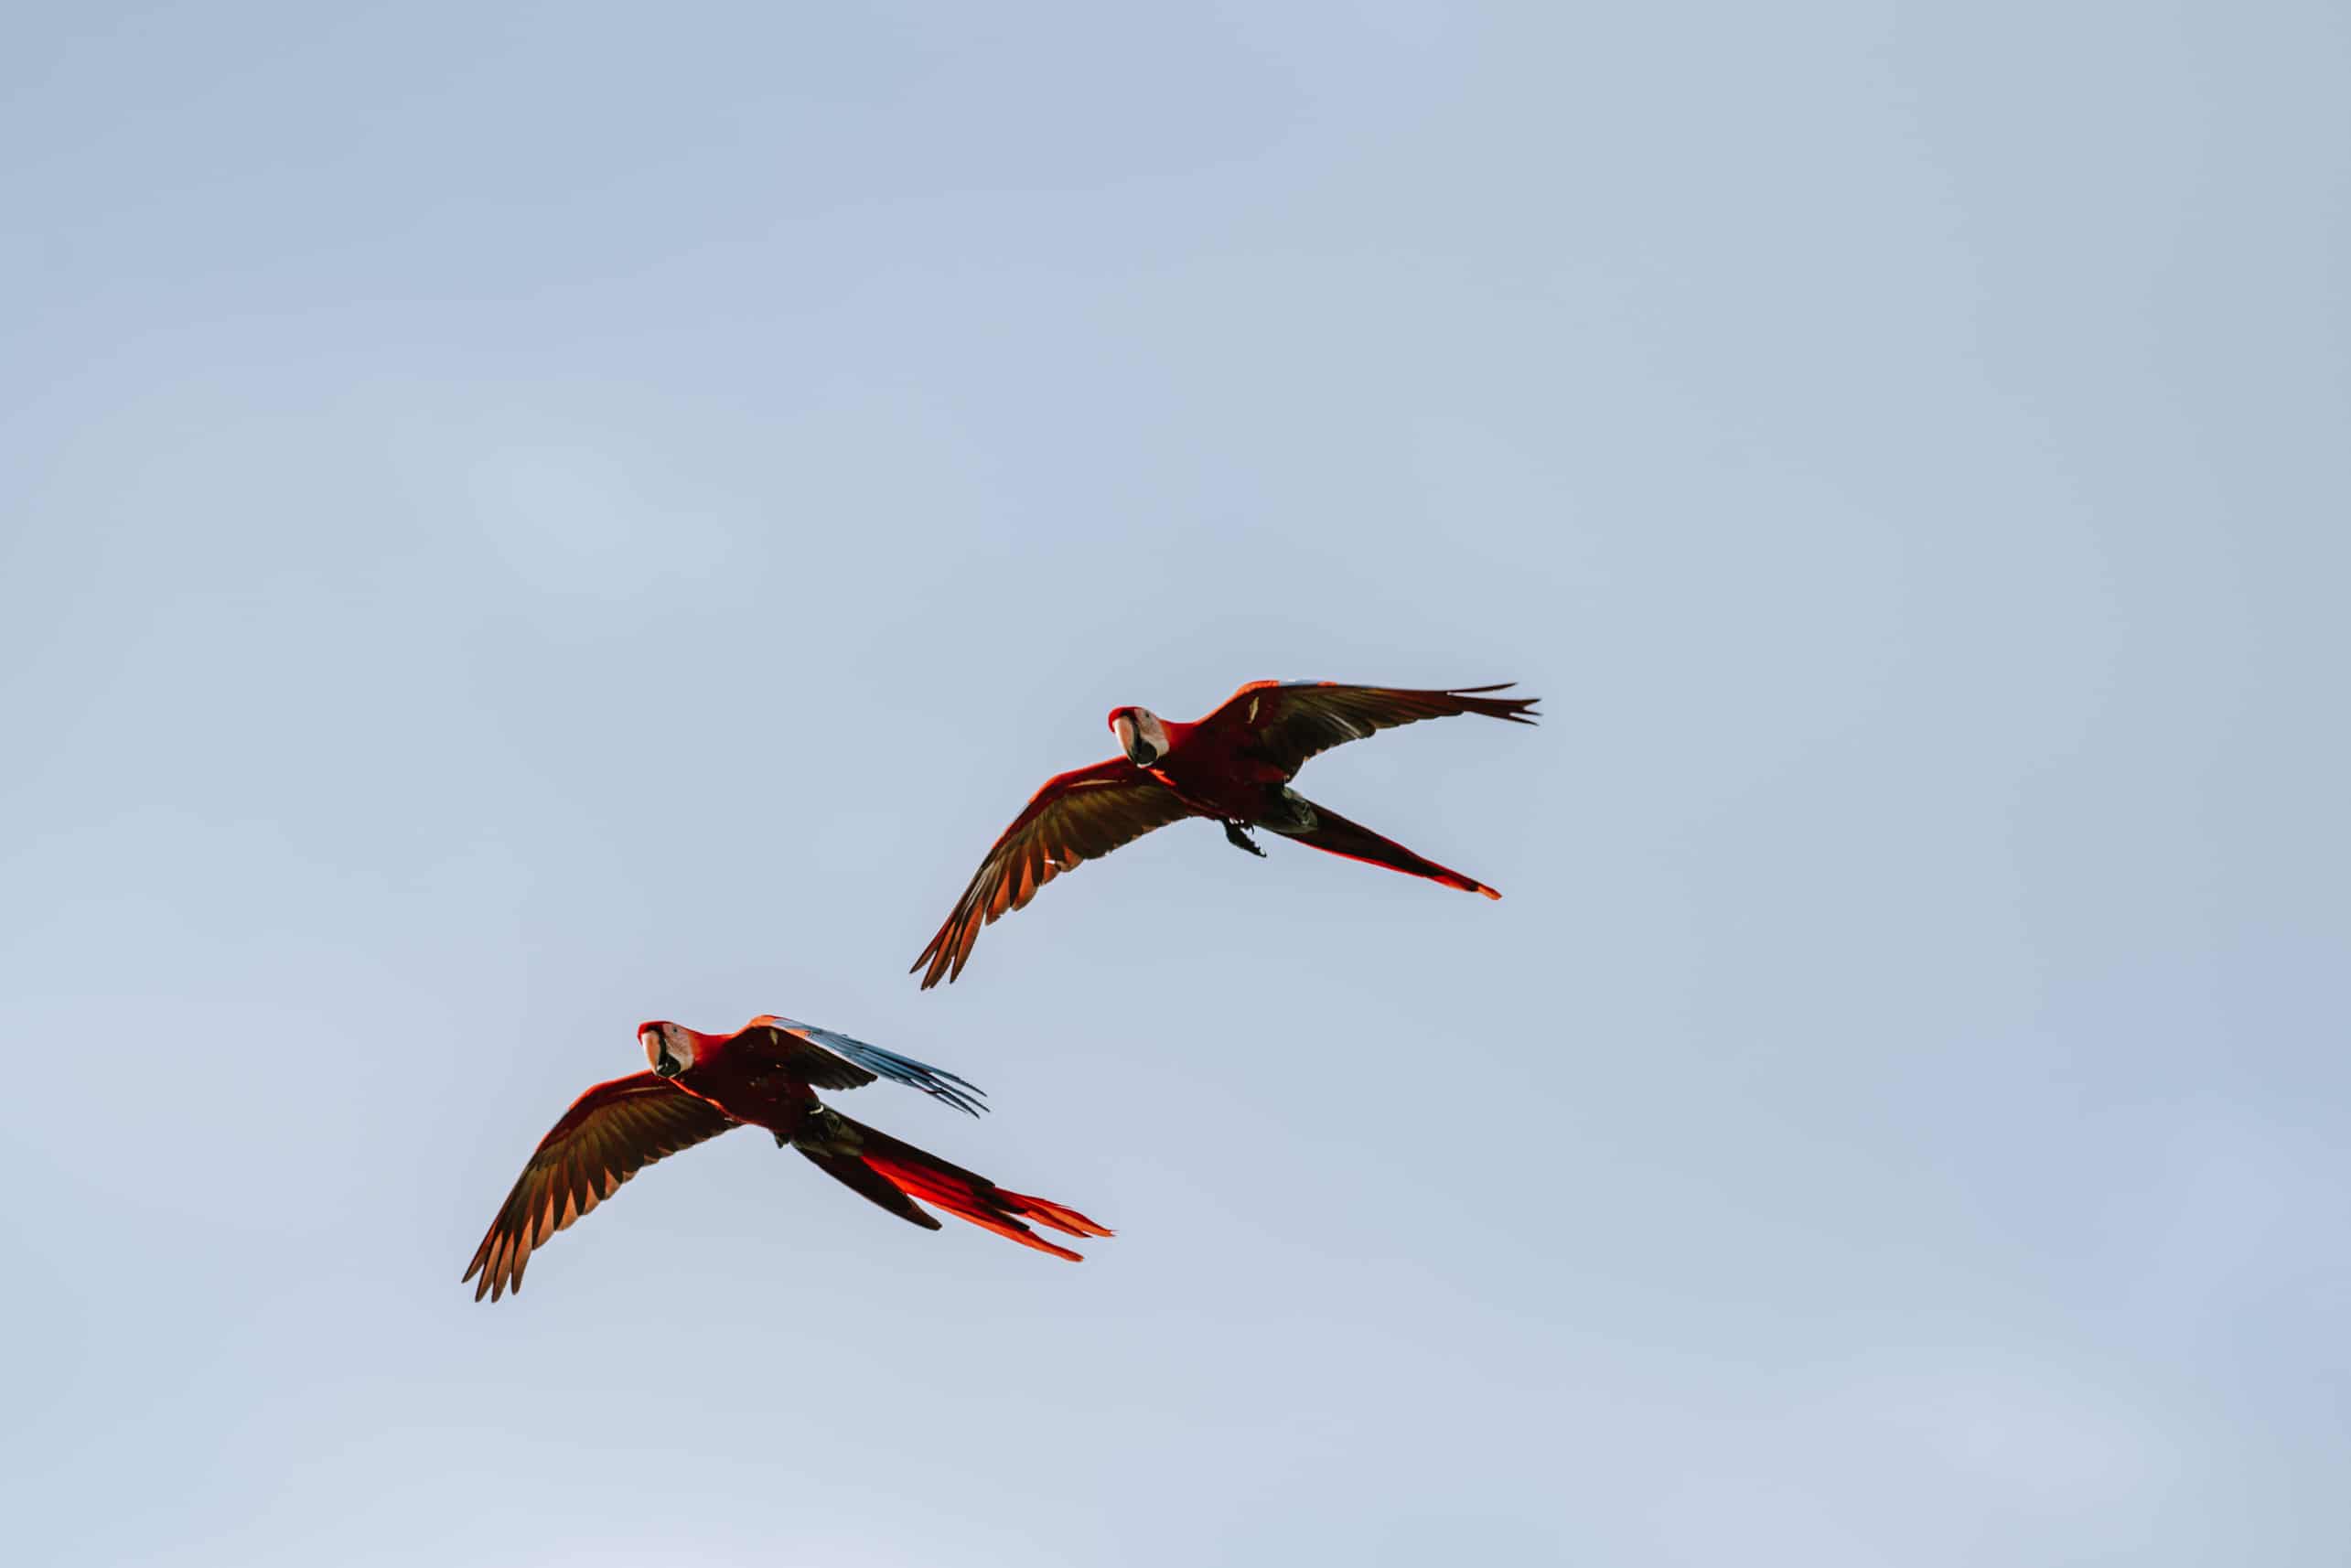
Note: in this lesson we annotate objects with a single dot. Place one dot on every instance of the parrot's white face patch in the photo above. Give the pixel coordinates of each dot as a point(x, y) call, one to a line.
point(1141, 736)
point(668, 1051)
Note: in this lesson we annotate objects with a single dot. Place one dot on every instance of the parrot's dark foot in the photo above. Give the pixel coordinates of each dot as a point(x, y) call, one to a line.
point(783, 1141)
point(1237, 835)
point(823, 1131)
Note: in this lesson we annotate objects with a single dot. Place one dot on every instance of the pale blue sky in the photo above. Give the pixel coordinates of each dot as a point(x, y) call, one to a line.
point(516, 520)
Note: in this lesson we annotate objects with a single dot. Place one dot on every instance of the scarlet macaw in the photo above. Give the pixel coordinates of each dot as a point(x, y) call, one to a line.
point(765, 1073)
point(1234, 765)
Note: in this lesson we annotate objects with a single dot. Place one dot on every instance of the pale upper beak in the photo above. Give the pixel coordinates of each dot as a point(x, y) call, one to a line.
point(1138, 750)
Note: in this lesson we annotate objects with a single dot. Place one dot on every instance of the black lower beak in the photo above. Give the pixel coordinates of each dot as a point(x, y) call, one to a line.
point(666, 1066)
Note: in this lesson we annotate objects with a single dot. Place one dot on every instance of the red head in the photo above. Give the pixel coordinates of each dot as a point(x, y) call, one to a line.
point(1140, 734)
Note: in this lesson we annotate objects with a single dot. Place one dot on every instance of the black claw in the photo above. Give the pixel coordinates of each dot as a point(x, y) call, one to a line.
point(783, 1141)
point(1237, 835)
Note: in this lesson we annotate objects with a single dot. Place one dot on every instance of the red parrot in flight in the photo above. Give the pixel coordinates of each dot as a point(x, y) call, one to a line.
point(1234, 765)
point(765, 1073)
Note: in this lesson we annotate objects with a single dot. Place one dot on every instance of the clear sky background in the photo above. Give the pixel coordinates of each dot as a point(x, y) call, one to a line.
point(519, 519)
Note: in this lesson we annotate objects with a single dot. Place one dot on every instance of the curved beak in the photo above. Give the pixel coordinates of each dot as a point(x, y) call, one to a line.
point(668, 1065)
point(1138, 750)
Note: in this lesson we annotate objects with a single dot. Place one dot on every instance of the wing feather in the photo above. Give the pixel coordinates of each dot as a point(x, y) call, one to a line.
point(1287, 722)
point(1076, 817)
point(610, 1134)
point(825, 1058)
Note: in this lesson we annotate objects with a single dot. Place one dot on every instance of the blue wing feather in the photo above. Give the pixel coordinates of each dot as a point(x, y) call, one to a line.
point(936, 1082)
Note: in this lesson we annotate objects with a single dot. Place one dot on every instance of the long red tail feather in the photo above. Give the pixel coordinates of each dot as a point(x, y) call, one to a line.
point(1334, 834)
point(967, 1196)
